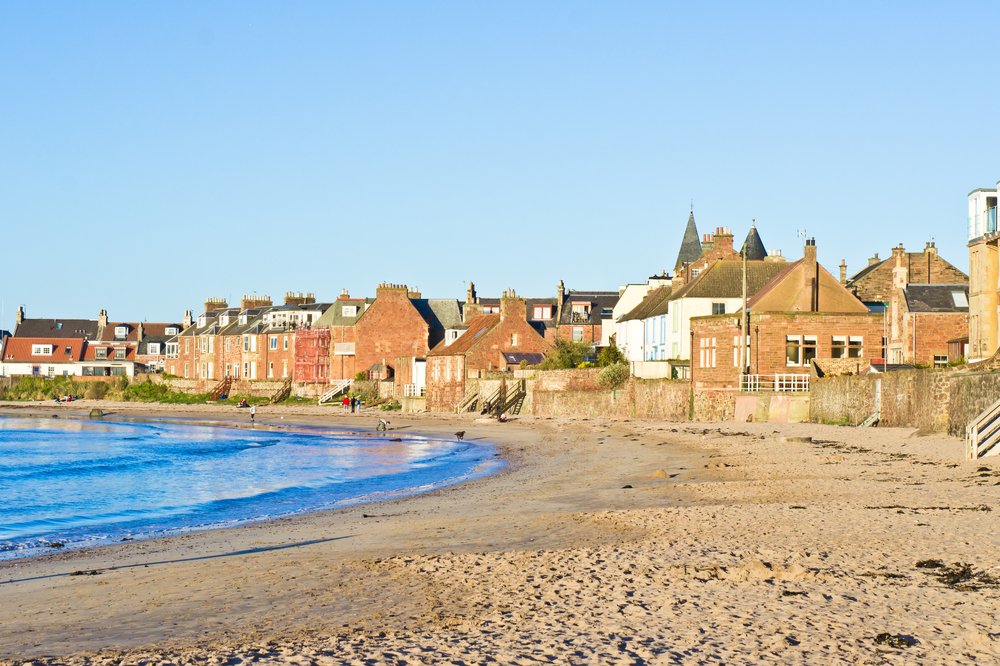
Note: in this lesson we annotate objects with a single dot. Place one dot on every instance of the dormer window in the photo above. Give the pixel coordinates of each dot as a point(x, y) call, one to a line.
point(120, 354)
point(101, 353)
point(243, 320)
point(349, 311)
point(41, 350)
point(202, 321)
point(121, 332)
point(541, 312)
point(224, 320)
point(153, 349)
point(170, 330)
point(581, 312)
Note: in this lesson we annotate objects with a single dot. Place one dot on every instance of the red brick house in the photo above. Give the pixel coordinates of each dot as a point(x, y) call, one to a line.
point(923, 319)
point(391, 327)
point(484, 347)
point(802, 317)
point(875, 283)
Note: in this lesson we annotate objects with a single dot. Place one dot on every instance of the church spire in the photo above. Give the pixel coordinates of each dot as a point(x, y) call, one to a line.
point(690, 245)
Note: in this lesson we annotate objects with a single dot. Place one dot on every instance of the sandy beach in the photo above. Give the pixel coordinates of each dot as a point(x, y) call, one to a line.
point(611, 542)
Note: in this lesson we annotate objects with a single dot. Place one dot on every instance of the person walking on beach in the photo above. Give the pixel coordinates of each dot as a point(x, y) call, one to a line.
point(345, 402)
point(253, 412)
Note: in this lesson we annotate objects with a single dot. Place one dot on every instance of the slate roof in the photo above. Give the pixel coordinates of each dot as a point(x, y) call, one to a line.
point(753, 246)
point(690, 250)
point(599, 301)
point(937, 298)
point(465, 342)
point(530, 358)
point(439, 313)
point(655, 300)
point(57, 328)
point(334, 316)
point(724, 279)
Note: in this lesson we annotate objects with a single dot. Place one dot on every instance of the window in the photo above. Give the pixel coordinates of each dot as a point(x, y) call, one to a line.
point(959, 299)
point(172, 350)
point(120, 354)
point(270, 370)
point(170, 330)
point(204, 345)
point(68, 350)
point(253, 343)
point(284, 369)
point(577, 334)
point(273, 343)
point(838, 346)
point(736, 351)
point(286, 343)
point(211, 345)
point(246, 343)
point(100, 353)
point(349, 311)
point(202, 320)
point(800, 349)
point(855, 346)
point(227, 343)
point(491, 309)
point(121, 332)
point(940, 360)
point(541, 312)
point(224, 320)
point(707, 348)
point(186, 349)
point(513, 339)
point(718, 308)
point(153, 348)
point(41, 350)
point(185, 371)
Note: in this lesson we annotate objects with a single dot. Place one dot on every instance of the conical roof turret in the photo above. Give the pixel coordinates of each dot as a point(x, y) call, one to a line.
point(753, 246)
point(690, 245)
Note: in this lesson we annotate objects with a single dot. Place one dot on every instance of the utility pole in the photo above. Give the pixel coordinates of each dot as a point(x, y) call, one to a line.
point(744, 320)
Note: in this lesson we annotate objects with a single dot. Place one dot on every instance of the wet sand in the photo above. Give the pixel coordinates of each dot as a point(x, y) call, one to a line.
point(603, 542)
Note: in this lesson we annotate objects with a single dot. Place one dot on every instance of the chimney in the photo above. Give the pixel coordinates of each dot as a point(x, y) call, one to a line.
point(724, 240)
point(102, 319)
point(140, 332)
point(470, 294)
point(512, 306)
point(900, 271)
point(19, 317)
point(413, 293)
point(298, 298)
point(843, 271)
point(249, 302)
point(872, 260)
point(811, 273)
point(188, 320)
point(930, 248)
point(560, 297)
point(344, 295)
point(707, 243)
point(774, 256)
point(213, 304)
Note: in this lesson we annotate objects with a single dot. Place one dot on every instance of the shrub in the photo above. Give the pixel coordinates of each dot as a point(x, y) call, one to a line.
point(566, 355)
point(610, 355)
point(613, 376)
point(96, 390)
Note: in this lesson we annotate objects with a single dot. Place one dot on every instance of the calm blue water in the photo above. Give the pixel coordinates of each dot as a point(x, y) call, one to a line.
point(90, 482)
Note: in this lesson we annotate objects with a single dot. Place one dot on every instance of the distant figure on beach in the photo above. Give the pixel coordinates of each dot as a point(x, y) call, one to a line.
point(460, 435)
point(253, 412)
point(346, 402)
point(382, 426)
point(502, 418)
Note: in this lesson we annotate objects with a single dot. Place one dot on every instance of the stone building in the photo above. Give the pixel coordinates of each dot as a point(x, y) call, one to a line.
point(488, 345)
point(984, 274)
point(874, 284)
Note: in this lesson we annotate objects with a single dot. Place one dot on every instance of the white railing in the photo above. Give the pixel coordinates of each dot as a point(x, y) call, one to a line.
point(778, 382)
point(335, 389)
point(413, 391)
point(982, 435)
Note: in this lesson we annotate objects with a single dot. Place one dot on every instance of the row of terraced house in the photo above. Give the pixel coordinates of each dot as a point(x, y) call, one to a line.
point(726, 317)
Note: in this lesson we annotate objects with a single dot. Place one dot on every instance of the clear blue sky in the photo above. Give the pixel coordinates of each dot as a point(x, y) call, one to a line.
point(153, 154)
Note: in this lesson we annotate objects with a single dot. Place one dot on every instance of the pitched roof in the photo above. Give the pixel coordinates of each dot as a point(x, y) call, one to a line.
point(335, 316)
point(724, 279)
point(690, 249)
point(90, 353)
point(599, 301)
point(477, 327)
point(440, 313)
point(753, 246)
point(57, 328)
point(18, 350)
point(655, 300)
point(937, 298)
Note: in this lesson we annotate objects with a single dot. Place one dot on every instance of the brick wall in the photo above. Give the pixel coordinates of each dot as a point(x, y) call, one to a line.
point(445, 382)
point(342, 366)
point(639, 398)
point(312, 356)
point(932, 331)
point(591, 333)
point(877, 286)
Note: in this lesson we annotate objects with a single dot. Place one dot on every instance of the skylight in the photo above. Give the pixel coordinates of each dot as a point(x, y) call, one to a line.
point(960, 299)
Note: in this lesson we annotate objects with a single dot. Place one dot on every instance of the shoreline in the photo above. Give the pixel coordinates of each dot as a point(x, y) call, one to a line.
point(489, 464)
point(614, 541)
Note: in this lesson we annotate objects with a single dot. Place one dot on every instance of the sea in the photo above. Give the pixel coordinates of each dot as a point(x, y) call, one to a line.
point(69, 483)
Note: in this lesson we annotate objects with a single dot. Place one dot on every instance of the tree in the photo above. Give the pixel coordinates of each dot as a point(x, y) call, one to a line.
point(567, 354)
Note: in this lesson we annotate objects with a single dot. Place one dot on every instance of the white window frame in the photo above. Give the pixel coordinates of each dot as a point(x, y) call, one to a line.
point(272, 342)
point(349, 311)
point(855, 346)
point(153, 348)
point(121, 332)
point(170, 330)
point(540, 312)
point(41, 350)
point(578, 334)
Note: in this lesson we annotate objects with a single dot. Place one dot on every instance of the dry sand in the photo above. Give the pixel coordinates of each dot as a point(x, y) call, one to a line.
point(604, 542)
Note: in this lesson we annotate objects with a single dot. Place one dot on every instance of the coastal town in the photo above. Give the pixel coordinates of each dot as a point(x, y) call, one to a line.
point(799, 322)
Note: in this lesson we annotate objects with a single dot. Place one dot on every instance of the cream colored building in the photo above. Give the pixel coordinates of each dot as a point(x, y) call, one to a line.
point(984, 274)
